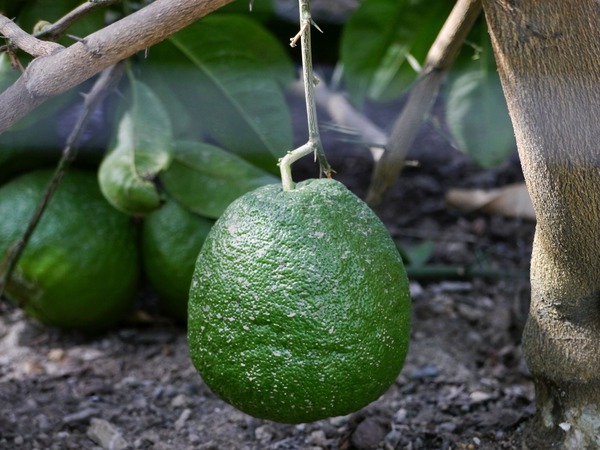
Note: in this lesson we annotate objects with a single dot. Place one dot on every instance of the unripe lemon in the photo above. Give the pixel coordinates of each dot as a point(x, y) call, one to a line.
point(171, 240)
point(80, 268)
point(299, 307)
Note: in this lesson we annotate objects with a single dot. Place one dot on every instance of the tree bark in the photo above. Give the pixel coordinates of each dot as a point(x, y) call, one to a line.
point(62, 70)
point(548, 55)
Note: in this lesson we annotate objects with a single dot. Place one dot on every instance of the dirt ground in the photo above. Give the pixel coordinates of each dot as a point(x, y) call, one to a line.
point(464, 385)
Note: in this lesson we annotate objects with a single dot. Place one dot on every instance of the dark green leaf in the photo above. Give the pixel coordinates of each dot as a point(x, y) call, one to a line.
point(10, 8)
point(141, 150)
point(228, 72)
point(206, 179)
point(378, 39)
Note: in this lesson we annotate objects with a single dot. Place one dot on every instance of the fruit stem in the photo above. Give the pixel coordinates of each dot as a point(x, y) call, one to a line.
point(314, 139)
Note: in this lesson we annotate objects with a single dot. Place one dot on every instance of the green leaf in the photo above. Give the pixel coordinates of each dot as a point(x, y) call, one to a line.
point(419, 254)
point(228, 71)
point(206, 179)
point(379, 40)
point(141, 150)
point(477, 114)
point(10, 8)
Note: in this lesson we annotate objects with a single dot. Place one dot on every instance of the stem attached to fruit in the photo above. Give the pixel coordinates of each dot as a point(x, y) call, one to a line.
point(314, 139)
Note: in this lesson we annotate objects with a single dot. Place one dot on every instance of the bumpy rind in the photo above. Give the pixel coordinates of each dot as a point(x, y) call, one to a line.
point(299, 307)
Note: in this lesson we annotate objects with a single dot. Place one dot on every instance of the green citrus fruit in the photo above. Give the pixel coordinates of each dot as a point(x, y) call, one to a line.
point(80, 267)
point(299, 306)
point(172, 237)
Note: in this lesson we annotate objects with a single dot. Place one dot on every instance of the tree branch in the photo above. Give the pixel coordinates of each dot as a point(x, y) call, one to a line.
point(58, 28)
point(55, 74)
point(25, 41)
point(440, 57)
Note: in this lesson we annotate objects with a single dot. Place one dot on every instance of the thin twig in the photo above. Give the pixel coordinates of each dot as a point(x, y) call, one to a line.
point(345, 115)
point(25, 41)
point(103, 86)
point(439, 59)
point(314, 139)
point(58, 28)
point(53, 31)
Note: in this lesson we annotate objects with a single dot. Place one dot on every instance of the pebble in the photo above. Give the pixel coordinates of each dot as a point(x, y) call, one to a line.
point(480, 396)
point(179, 401)
point(339, 421)
point(32, 368)
point(56, 355)
point(393, 437)
point(400, 415)
point(42, 422)
point(428, 371)
point(106, 435)
point(317, 438)
point(183, 417)
point(138, 404)
point(264, 434)
point(416, 290)
point(369, 434)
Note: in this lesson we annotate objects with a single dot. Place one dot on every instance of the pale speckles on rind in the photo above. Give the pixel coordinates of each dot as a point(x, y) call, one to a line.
point(327, 277)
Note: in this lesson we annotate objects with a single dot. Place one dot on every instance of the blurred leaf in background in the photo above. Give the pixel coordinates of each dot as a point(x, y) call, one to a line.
point(476, 110)
point(228, 74)
point(385, 41)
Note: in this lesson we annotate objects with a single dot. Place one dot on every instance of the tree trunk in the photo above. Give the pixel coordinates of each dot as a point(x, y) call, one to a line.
point(548, 55)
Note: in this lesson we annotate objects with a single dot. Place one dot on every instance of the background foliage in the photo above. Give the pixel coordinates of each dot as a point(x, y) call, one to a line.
point(207, 107)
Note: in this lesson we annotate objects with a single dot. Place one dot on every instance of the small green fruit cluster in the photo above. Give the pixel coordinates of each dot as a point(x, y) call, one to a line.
point(81, 267)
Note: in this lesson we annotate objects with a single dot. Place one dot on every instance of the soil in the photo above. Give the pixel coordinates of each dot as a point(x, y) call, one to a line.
point(464, 386)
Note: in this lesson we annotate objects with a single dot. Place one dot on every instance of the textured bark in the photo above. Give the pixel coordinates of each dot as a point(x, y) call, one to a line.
point(62, 70)
point(548, 54)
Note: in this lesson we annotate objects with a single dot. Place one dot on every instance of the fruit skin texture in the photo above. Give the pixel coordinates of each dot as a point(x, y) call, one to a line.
point(299, 307)
point(80, 267)
point(172, 237)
